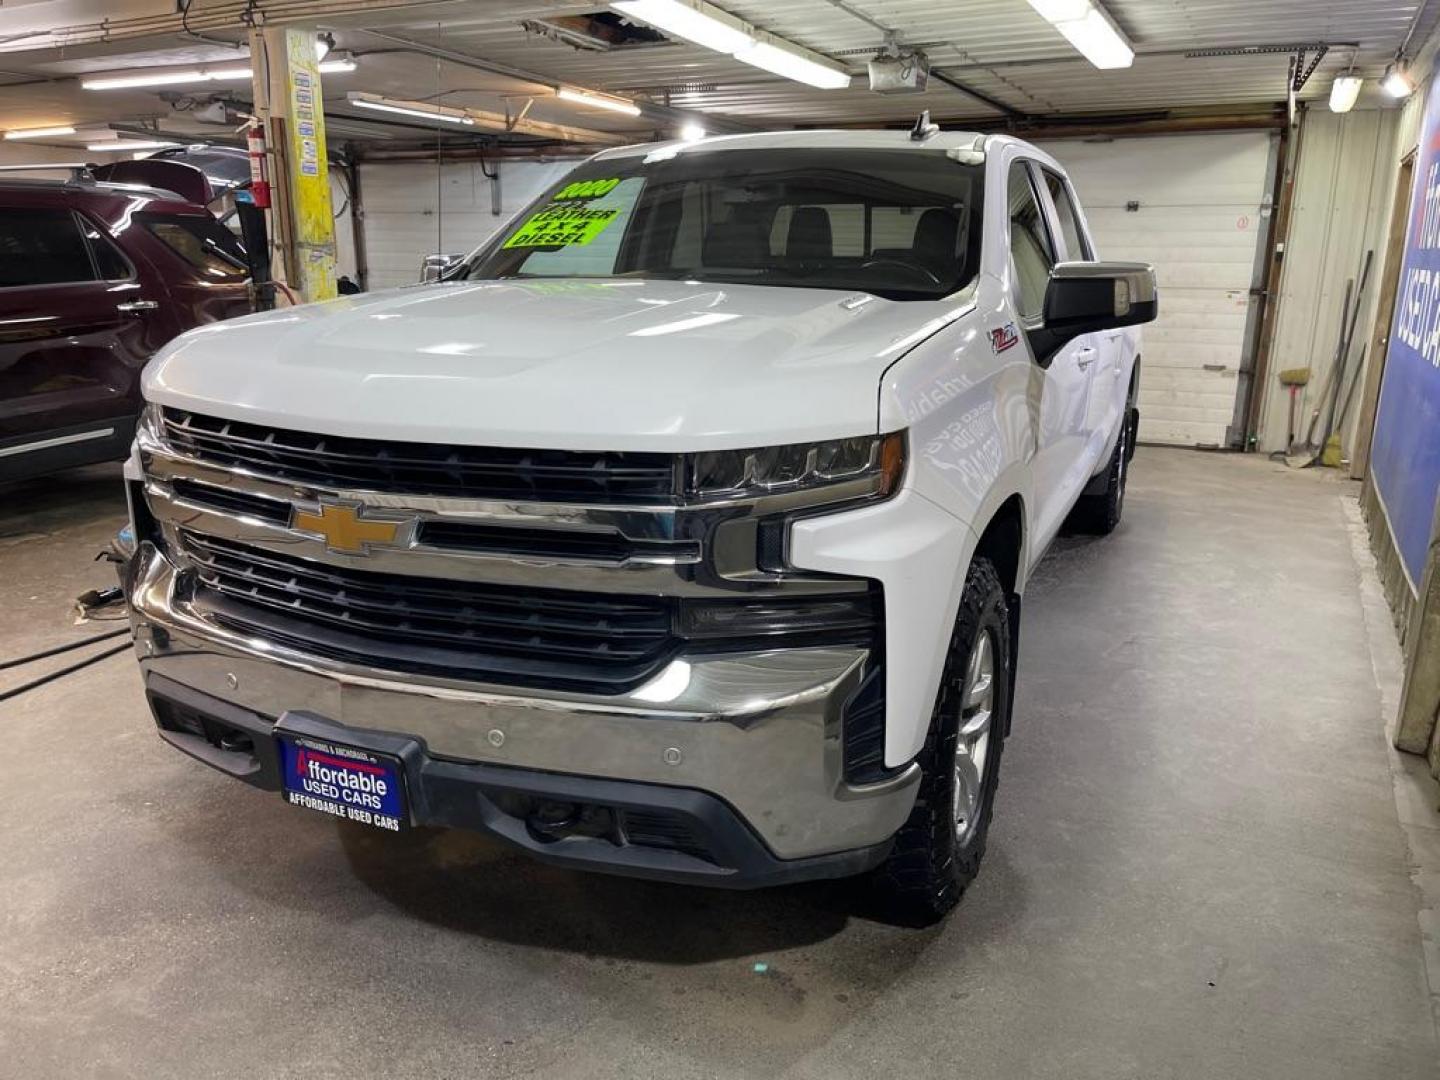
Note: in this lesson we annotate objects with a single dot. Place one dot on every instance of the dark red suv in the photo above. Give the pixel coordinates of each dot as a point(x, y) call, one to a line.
point(94, 278)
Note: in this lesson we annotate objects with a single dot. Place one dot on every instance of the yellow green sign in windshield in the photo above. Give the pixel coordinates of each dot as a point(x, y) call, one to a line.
point(562, 225)
point(568, 221)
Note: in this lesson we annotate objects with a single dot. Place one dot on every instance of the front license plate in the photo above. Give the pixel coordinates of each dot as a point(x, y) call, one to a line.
point(343, 781)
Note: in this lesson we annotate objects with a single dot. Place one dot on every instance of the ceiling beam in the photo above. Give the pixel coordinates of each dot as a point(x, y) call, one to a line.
point(1008, 111)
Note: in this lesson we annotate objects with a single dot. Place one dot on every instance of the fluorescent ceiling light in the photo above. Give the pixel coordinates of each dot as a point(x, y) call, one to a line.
point(1088, 27)
point(690, 131)
point(1343, 93)
point(598, 101)
point(410, 108)
point(1397, 82)
point(1058, 11)
point(779, 60)
point(40, 133)
point(323, 44)
point(129, 144)
point(228, 73)
point(697, 23)
point(338, 64)
point(166, 78)
point(704, 24)
point(1096, 38)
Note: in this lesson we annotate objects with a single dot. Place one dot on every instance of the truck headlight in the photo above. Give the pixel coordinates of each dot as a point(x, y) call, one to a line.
point(876, 461)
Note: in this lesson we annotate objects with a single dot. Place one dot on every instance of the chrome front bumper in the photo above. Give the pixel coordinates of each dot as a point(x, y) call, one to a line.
point(760, 731)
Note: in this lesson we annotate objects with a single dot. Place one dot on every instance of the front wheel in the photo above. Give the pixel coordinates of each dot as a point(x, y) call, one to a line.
point(938, 850)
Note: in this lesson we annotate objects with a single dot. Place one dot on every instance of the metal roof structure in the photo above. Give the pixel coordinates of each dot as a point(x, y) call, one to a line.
point(994, 62)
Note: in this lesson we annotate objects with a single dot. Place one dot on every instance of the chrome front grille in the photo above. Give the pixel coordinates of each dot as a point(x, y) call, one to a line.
point(591, 641)
point(532, 592)
point(413, 468)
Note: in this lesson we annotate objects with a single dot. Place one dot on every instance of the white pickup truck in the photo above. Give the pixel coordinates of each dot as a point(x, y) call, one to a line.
point(680, 531)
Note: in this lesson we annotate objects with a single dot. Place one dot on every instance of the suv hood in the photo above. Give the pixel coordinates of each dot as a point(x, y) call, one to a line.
point(565, 364)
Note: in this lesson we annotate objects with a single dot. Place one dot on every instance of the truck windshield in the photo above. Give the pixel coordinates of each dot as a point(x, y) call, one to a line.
point(902, 224)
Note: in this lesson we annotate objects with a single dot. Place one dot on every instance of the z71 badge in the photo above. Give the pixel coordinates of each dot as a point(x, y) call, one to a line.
point(1004, 337)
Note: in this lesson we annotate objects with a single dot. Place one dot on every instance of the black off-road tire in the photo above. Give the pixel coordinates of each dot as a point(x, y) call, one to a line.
point(1099, 513)
point(928, 869)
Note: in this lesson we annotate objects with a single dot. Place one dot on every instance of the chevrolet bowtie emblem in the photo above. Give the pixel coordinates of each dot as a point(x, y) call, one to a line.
point(344, 530)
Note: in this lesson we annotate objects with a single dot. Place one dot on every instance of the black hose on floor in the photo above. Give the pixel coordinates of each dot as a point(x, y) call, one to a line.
point(58, 649)
point(35, 684)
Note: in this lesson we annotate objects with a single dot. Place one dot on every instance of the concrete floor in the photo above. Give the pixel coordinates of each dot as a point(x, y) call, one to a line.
point(1196, 867)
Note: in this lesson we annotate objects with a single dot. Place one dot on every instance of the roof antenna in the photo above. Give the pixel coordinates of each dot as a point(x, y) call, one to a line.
point(923, 128)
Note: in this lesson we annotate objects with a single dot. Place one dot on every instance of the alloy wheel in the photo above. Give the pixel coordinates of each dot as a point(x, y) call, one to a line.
point(972, 742)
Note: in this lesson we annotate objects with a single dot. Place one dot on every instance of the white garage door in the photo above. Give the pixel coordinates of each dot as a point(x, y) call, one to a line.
point(1197, 207)
point(414, 209)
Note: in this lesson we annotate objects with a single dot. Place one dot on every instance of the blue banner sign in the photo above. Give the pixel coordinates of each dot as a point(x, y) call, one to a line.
point(1405, 456)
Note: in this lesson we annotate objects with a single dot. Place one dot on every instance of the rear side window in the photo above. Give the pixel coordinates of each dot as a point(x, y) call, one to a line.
point(42, 247)
point(1031, 252)
point(202, 242)
point(1077, 247)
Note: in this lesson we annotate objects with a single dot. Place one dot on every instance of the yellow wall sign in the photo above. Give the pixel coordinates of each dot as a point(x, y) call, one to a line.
point(562, 225)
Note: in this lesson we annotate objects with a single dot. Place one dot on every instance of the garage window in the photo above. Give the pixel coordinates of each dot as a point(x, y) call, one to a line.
point(42, 247)
point(202, 242)
point(896, 225)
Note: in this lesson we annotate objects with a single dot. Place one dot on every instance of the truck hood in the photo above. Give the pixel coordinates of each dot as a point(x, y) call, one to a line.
point(565, 364)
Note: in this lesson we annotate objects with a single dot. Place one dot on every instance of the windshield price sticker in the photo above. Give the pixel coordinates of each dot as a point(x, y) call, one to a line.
point(559, 225)
point(586, 189)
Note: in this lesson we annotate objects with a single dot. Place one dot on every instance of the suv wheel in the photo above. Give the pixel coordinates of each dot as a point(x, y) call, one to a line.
point(938, 850)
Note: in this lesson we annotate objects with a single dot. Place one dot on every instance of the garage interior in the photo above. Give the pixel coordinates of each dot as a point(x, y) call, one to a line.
point(1216, 847)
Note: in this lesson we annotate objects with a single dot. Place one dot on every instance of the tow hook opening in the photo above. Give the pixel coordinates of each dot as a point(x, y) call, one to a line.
point(551, 820)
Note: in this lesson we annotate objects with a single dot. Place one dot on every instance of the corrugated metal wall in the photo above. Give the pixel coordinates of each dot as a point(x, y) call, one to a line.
point(1344, 182)
point(416, 209)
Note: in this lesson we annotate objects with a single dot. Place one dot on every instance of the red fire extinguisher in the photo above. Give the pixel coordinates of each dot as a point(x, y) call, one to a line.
point(259, 168)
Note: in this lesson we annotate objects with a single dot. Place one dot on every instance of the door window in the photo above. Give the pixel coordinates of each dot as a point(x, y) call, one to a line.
point(1031, 252)
point(1077, 245)
point(111, 265)
point(42, 247)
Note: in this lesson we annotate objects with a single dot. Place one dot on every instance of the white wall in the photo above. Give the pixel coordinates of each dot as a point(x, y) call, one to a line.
point(344, 226)
point(414, 209)
point(1344, 181)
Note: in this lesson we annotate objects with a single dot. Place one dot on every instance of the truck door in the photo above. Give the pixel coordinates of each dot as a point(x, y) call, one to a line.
point(70, 350)
point(1107, 393)
point(1061, 464)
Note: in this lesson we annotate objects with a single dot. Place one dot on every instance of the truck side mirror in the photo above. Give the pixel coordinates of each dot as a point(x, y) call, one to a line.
point(433, 267)
point(1083, 297)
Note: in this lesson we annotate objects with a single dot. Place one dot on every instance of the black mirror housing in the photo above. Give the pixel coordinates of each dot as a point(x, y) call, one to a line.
point(1085, 297)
